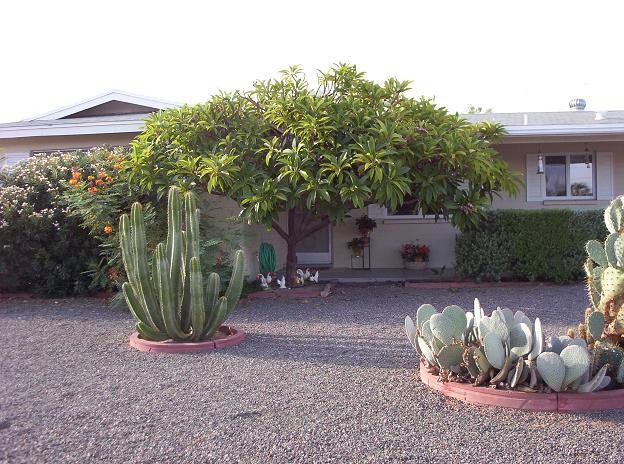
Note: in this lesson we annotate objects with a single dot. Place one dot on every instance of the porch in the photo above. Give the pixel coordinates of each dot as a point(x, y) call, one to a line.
point(348, 275)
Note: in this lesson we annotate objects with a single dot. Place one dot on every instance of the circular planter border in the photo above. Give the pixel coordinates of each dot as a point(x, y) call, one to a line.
point(230, 336)
point(561, 402)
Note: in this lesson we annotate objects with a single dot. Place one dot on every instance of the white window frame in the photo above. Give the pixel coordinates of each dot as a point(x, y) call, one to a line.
point(568, 195)
point(381, 213)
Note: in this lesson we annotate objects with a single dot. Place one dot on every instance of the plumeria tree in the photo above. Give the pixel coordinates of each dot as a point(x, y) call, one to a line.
point(315, 153)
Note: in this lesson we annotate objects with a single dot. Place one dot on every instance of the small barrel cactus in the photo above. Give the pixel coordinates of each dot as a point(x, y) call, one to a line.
point(172, 301)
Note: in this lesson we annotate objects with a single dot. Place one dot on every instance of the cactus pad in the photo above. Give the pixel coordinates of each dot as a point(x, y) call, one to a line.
point(520, 339)
point(619, 375)
point(595, 383)
point(576, 360)
point(552, 369)
point(426, 350)
point(538, 340)
point(494, 350)
point(458, 316)
point(444, 329)
point(451, 355)
point(423, 314)
point(481, 360)
point(410, 331)
point(595, 324)
point(595, 250)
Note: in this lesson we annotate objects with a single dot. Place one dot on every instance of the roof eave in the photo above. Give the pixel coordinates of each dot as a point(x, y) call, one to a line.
point(72, 128)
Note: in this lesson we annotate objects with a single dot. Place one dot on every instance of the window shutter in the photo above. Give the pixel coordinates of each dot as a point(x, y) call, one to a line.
point(11, 159)
point(604, 175)
point(533, 180)
point(376, 211)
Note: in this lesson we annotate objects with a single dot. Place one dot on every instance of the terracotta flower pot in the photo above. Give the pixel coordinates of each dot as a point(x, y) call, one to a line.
point(415, 265)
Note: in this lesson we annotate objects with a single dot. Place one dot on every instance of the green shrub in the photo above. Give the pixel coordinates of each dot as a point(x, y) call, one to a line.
point(42, 249)
point(528, 244)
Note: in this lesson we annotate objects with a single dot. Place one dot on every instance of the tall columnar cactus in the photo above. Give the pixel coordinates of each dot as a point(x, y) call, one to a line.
point(605, 271)
point(171, 302)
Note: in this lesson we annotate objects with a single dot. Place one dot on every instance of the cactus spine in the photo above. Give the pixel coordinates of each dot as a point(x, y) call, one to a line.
point(170, 302)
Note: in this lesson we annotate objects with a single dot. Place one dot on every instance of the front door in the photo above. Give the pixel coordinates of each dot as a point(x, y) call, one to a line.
point(315, 249)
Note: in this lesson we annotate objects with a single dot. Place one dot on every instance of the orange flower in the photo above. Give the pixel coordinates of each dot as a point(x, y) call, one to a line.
point(92, 190)
point(108, 230)
point(73, 182)
point(108, 179)
point(76, 175)
point(101, 175)
point(90, 178)
point(110, 157)
point(99, 182)
point(117, 167)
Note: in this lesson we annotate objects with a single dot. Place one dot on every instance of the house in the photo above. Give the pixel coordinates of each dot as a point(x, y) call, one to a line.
point(113, 118)
point(568, 159)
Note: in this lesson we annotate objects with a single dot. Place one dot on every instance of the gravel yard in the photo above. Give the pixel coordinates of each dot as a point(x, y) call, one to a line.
point(319, 380)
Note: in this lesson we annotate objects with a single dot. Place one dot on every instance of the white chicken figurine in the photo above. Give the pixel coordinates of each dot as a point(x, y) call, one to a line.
point(304, 275)
point(269, 278)
point(263, 282)
point(314, 278)
point(282, 282)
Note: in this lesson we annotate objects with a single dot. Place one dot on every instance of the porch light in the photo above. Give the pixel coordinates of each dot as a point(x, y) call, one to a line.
point(540, 160)
point(587, 162)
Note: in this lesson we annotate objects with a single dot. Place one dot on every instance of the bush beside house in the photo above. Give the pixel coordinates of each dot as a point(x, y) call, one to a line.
point(42, 249)
point(529, 244)
point(59, 218)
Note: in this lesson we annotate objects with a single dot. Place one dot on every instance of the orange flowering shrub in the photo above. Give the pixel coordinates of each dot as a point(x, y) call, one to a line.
point(99, 195)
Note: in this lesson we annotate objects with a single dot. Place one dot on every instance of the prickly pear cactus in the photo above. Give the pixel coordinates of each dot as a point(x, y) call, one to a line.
point(605, 271)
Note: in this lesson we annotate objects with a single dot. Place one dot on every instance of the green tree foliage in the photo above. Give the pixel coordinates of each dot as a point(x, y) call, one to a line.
point(286, 146)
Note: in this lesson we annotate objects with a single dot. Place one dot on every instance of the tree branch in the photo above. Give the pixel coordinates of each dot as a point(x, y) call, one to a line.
point(279, 230)
point(309, 231)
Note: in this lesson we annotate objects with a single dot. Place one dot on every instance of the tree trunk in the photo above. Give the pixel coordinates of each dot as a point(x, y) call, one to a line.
point(291, 253)
point(291, 263)
point(296, 233)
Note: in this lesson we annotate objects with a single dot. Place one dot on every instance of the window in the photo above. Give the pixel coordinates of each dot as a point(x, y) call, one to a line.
point(569, 176)
point(409, 208)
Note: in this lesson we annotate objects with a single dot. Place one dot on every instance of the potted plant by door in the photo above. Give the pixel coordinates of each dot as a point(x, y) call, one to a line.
point(365, 226)
point(357, 246)
point(414, 256)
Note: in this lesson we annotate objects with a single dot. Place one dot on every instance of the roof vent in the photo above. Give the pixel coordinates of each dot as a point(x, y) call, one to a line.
point(577, 104)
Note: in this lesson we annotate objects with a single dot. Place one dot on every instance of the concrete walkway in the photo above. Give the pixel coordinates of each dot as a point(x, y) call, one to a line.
point(346, 275)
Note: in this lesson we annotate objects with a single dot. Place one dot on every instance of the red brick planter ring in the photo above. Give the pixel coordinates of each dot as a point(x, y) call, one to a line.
point(562, 402)
point(227, 335)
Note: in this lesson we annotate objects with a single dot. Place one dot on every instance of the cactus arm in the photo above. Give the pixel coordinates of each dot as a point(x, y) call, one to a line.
point(134, 305)
point(197, 298)
point(191, 249)
point(174, 239)
point(235, 286)
point(144, 288)
point(218, 316)
point(127, 253)
point(147, 333)
point(213, 286)
point(167, 295)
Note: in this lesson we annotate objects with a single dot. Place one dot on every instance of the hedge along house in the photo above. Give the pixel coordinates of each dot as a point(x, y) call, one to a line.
point(113, 118)
point(568, 159)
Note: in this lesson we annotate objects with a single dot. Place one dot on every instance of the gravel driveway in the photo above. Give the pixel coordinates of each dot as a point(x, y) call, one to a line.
point(323, 380)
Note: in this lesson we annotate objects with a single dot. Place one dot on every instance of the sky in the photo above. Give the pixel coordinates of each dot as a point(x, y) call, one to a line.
point(505, 55)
